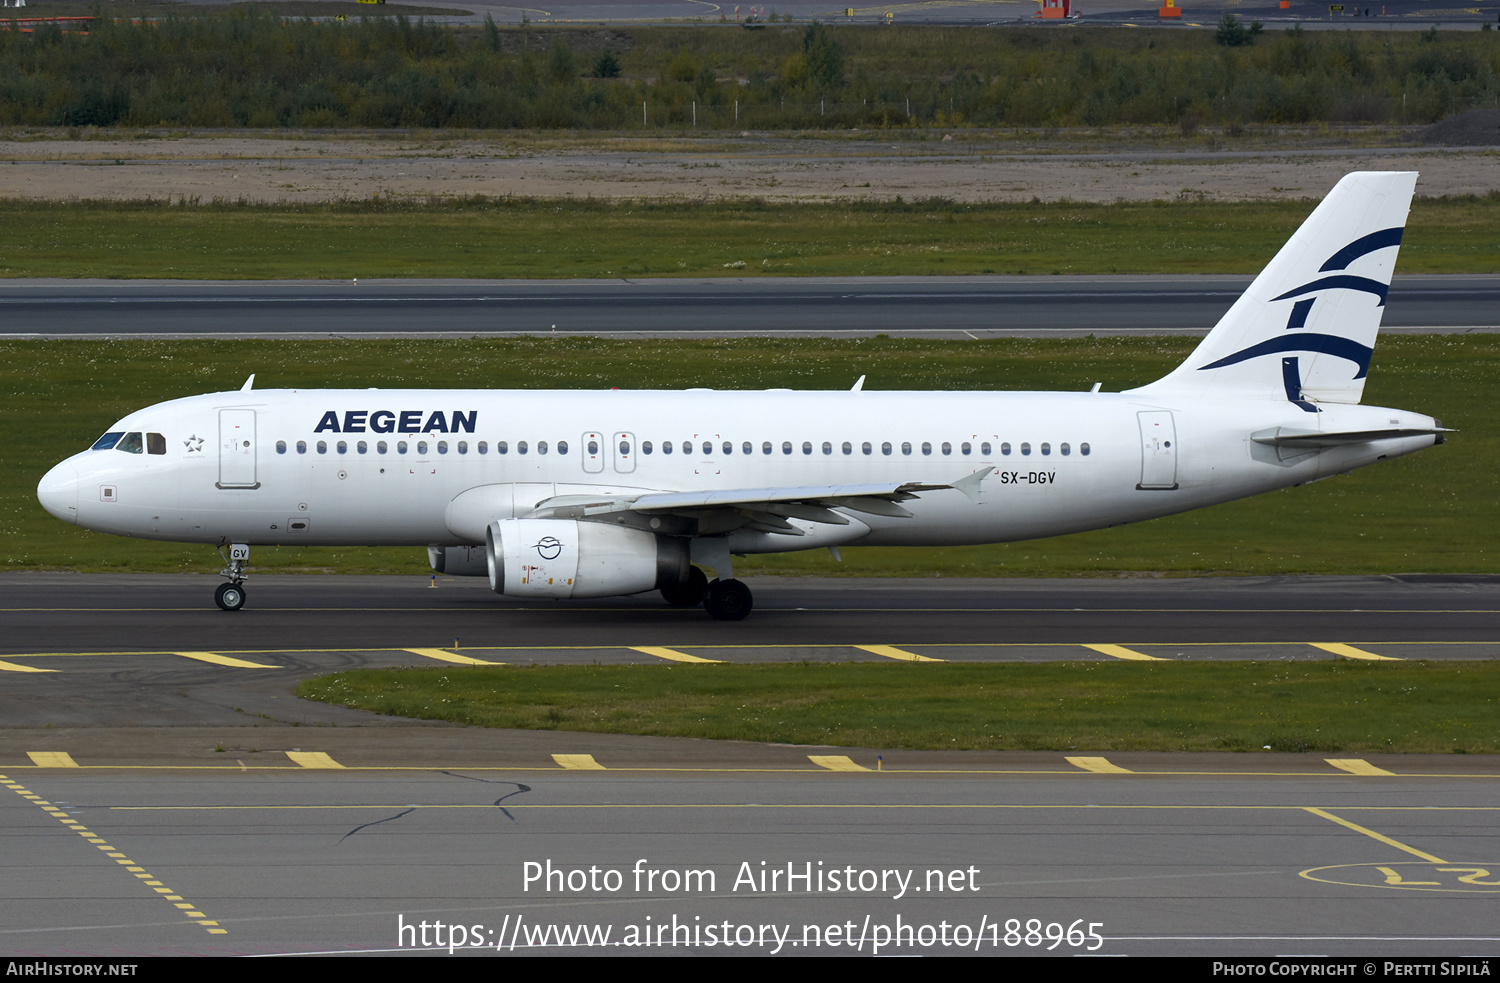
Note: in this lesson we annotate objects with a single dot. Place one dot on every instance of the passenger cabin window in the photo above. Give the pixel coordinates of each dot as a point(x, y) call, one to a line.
point(108, 440)
point(281, 447)
point(131, 443)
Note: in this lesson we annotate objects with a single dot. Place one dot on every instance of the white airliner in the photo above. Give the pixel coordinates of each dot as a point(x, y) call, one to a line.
point(590, 494)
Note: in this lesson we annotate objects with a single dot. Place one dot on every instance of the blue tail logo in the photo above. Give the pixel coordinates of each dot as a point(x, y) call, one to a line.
point(1324, 344)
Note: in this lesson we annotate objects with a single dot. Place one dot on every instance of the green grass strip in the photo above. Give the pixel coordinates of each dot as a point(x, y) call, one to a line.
point(1435, 511)
point(498, 238)
point(1060, 706)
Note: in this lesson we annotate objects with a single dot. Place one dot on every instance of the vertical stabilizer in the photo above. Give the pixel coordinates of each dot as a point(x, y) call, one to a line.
point(1305, 330)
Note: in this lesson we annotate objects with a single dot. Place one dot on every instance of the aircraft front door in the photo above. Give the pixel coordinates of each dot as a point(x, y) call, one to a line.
point(1158, 451)
point(237, 449)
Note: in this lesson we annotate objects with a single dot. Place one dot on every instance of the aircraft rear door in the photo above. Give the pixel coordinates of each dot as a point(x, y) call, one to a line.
point(1158, 451)
point(237, 449)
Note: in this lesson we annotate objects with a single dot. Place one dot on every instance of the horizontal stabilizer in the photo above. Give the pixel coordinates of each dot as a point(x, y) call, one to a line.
point(1290, 437)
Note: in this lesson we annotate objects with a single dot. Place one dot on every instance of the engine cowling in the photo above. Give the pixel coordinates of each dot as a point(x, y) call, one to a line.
point(458, 561)
point(572, 558)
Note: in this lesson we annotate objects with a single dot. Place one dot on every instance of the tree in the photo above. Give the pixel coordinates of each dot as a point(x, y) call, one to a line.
point(1233, 34)
point(607, 66)
point(824, 57)
point(561, 65)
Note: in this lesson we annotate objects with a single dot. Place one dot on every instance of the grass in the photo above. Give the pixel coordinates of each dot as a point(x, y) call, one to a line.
point(1431, 512)
point(540, 238)
point(1239, 706)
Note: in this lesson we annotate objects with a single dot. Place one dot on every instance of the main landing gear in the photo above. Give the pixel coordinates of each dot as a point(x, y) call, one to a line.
point(724, 600)
point(727, 600)
point(231, 596)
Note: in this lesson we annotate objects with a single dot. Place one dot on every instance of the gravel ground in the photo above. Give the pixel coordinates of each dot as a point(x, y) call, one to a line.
point(774, 167)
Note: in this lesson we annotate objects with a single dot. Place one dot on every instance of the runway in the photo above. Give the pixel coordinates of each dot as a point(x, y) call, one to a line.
point(962, 308)
point(168, 795)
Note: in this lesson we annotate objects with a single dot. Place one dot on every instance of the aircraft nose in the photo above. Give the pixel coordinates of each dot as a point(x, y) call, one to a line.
point(58, 492)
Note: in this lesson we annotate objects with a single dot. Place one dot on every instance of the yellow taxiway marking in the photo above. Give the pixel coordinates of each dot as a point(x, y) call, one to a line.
point(13, 667)
point(835, 762)
point(1357, 766)
point(1121, 652)
point(1350, 652)
point(671, 654)
point(578, 762)
point(442, 655)
point(52, 759)
point(223, 660)
point(44, 760)
point(891, 652)
point(313, 759)
point(1099, 766)
point(1371, 833)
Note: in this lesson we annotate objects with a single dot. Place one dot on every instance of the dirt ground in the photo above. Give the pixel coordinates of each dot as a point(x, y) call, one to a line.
point(777, 167)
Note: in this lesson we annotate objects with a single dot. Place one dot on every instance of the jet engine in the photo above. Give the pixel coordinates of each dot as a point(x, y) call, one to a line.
point(458, 561)
point(573, 558)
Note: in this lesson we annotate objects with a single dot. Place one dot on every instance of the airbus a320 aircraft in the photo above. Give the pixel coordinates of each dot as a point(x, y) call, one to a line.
point(590, 494)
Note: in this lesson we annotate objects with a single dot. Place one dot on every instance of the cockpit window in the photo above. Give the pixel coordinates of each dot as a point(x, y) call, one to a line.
point(156, 443)
point(108, 440)
point(131, 443)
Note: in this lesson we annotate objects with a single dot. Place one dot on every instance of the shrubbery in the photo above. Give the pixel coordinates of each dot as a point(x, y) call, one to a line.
point(251, 69)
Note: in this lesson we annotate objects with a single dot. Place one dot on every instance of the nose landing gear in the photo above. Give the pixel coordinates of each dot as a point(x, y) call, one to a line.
point(231, 596)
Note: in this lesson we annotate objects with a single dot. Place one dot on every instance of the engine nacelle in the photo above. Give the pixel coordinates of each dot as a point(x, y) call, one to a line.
point(571, 558)
point(458, 561)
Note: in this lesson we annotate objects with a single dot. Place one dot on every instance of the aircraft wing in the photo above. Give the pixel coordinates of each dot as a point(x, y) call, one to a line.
point(765, 509)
